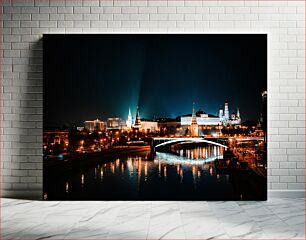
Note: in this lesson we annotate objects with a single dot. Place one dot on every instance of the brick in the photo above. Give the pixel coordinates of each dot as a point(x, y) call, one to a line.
point(185, 10)
point(297, 172)
point(29, 10)
point(21, 16)
point(230, 3)
point(120, 17)
point(222, 24)
point(287, 165)
point(300, 179)
point(112, 10)
point(22, 3)
point(277, 186)
point(166, 9)
point(288, 179)
point(57, 17)
point(48, 10)
point(161, 17)
point(129, 10)
point(158, 3)
point(91, 16)
point(104, 17)
point(19, 173)
point(190, 17)
point(168, 24)
point(10, 9)
point(11, 179)
point(274, 179)
point(202, 10)
point(62, 10)
point(59, 3)
point(176, 17)
point(21, 31)
point(96, 10)
point(65, 24)
point(148, 24)
point(130, 24)
point(73, 3)
point(147, 9)
point(81, 24)
point(98, 24)
point(81, 10)
point(47, 24)
point(138, 3)
point(92, 3)
point(73, 16)
point(139, 17)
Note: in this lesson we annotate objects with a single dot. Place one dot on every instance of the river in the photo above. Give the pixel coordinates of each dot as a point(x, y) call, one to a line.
point(186, 173)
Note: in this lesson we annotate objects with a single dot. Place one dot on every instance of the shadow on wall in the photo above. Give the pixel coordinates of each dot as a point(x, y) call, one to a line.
point(29, 154)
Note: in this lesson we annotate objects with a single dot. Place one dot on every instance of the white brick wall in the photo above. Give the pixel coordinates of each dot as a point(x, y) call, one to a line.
point(24, 22)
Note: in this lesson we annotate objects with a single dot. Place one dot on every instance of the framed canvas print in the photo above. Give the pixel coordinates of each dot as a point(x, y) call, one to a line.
point(155, 117)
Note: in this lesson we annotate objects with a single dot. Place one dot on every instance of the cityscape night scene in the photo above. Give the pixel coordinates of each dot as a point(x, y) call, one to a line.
point(155, 117)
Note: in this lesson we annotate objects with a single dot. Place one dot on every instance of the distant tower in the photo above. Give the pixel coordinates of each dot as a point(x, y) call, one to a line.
point(238, 116)
point(238, 113)
point(221, 114)
point(137, 120)
point(226, 111)
point(129, 121)
point(194, 123)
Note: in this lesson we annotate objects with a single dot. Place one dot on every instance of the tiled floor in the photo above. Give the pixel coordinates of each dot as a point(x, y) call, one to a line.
point(274, 219)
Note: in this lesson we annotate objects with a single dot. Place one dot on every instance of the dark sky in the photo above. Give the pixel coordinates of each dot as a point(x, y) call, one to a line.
point(101, 75)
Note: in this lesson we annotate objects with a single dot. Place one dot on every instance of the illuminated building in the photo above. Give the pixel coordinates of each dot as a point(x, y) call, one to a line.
point(137, 119)
point(204, 119)
point(149, 126)
point(194, 124)
point(221, 113)
point(53, 137)
point(142, 125)
point(94, 125)
point(172, 126)
point(226, 111)
point(226, 119)
point(129, 121)
point(264, 113)
point(55, 141)
point(115, 123)
point(235, 119)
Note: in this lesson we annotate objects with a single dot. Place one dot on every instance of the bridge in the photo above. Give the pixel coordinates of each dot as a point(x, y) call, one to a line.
point(158, 142)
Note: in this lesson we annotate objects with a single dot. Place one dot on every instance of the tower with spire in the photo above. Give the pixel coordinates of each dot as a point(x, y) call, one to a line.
point(226, 111)
point(194, 123)
point(221, 114)
point(129, 120)
point(238, 113)
point(137, 120)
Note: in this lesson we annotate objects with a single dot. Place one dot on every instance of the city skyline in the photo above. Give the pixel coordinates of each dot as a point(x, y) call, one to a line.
point(162, 74)
point(133, 111)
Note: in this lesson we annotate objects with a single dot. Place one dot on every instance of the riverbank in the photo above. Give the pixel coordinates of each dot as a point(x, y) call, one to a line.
point(89, 159)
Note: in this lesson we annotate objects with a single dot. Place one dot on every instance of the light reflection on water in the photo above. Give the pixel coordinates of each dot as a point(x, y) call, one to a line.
point(185, 174)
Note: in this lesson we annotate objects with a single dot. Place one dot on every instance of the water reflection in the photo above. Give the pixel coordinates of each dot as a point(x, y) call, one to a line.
point(101, 174)
point(199, 154)
point(184, 174)
point(82, 180)
point(67, 187)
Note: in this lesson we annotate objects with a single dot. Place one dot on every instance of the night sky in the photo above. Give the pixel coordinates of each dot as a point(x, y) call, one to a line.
point(100, 76)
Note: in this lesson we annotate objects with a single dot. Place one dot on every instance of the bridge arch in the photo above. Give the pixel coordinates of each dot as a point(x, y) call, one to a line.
point(198, 140)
